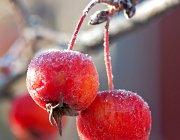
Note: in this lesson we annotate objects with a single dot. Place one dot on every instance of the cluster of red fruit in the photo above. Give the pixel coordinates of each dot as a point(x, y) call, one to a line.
point(66, 82)
point(105, 115)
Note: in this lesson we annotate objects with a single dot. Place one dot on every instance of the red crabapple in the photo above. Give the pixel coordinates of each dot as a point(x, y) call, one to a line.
point(30, 122)
point(115, 115)
point(68, 72)
point(62, 80)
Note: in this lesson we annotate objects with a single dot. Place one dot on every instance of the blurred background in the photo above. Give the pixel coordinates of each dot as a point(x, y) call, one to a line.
point(146, 61)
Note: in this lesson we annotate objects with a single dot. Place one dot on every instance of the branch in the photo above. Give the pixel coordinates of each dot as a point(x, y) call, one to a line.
point(146, 12)
point(22, 10)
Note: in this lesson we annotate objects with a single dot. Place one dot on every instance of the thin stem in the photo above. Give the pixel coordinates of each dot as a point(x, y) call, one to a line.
point(107, 57)
point(85, 12)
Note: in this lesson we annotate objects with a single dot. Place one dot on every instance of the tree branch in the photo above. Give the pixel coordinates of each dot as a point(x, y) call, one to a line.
point(146, 12)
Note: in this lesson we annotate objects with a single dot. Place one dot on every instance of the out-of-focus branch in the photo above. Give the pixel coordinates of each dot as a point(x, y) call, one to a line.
point(87, 40)
point(31, 35)
point(24, 14)
point(22, 11)
point(31, 32)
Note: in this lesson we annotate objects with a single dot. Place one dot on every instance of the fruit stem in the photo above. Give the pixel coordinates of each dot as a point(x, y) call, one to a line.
point(85, 12)
point(107, 57)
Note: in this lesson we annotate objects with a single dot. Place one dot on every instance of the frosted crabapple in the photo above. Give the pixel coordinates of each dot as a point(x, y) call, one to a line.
point(68, 72)
point(62, 82)
point(30, 122)
point(115, 115)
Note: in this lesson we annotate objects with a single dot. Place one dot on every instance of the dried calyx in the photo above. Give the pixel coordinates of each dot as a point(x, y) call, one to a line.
point(57, 111)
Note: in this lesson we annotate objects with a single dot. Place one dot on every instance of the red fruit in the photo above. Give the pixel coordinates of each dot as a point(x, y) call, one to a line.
point(68, 72)
point(115, 115)
point(30, 122)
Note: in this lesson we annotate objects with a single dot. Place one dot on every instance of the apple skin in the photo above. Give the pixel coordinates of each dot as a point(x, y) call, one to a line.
point(115, 115)
point(62, 71)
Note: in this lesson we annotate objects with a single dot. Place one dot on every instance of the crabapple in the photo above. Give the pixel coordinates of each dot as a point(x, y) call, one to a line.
point(68, 72)
point(115, 115)
point(30, 122)
point(62, 82)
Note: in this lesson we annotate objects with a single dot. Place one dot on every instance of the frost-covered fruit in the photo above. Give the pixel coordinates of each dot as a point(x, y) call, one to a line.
point(30, 122)
point(70, 73)
point(115, 115)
